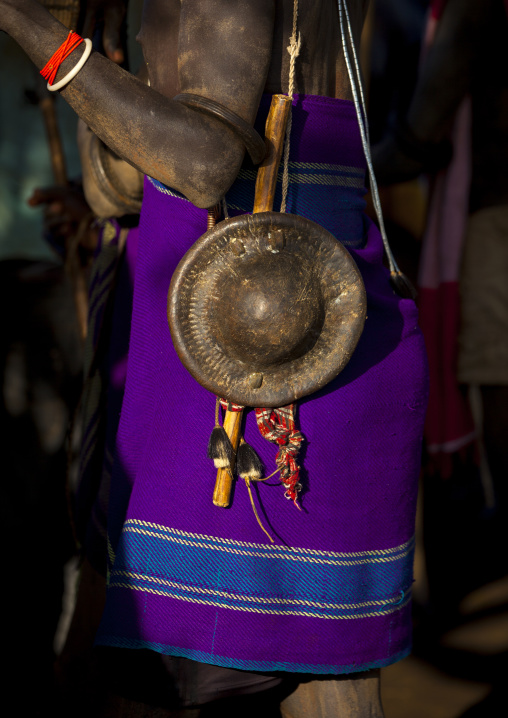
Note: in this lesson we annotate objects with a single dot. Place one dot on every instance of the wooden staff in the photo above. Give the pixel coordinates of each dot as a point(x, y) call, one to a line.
point(67, 12)
point(266, 182)
point(56, 151)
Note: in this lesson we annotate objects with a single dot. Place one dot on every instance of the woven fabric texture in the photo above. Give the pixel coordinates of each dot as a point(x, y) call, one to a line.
point(186, 578)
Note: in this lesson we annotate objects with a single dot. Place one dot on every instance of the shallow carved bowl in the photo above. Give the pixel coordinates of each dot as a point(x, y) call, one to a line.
point(266, 308)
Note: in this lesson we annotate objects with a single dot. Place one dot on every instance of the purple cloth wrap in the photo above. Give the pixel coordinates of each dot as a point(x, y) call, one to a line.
point(186, 578)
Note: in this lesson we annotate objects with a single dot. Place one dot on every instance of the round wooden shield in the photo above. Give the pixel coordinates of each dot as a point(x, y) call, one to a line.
point(266, 308)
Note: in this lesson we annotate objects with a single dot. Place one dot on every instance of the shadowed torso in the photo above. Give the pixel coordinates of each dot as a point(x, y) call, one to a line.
point(320, 66)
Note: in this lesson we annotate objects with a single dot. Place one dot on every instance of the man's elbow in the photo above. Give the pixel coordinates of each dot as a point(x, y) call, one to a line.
point(203, 177)
point(210, 192)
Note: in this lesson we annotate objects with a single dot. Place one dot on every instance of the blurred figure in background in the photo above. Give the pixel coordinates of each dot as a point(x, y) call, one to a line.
point(40, 370)
point(467, 233)
point(397, 37)
point(46, 225)
point(394, 54)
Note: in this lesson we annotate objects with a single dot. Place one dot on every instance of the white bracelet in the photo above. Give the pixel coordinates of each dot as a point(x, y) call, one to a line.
point(77, 67)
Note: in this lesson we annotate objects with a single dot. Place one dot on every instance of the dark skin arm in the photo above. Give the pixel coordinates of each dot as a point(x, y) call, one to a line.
point(122, 174)
point(444, 81)
point(226, 50)
point(446, 72)
point(195, 154)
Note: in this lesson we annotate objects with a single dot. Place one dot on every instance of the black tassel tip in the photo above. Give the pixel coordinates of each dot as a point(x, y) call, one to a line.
point(248, 463)
point(219, 448)
point(401, 284)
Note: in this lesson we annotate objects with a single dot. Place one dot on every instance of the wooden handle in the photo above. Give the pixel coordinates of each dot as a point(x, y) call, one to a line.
point(266, 181)
point(275, 132)
point(224, 480)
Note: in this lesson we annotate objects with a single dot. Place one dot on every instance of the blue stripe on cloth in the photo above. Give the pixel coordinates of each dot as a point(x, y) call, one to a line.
point(227, 574)
point(166, 190)
point(251, 665)
point(329, 194)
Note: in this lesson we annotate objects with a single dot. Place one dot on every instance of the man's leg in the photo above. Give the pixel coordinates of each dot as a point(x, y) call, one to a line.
point(341, 697)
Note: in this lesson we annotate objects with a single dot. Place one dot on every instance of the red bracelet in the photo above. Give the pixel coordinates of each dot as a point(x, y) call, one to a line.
point(52, 66)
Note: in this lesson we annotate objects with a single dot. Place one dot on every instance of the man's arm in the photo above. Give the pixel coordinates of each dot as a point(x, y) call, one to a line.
point(446, 72)
point(224, 54)
point(444, 80)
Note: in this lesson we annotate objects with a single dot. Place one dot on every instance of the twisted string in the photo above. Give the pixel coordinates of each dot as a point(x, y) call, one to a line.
point(217, 409)
point(295, 43)
point(229, 406)
point(247, 483)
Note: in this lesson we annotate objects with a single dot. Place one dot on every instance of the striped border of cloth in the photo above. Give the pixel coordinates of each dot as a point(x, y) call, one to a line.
point(310, 583)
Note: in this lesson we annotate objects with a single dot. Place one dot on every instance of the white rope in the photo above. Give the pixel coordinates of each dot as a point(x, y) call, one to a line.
point(361, 112)
point(295, 42)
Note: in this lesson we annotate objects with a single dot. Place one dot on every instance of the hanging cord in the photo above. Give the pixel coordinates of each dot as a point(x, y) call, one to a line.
point(217, 410)
point(247, 483)
point(361, 112)
point(295, 43)
point(250, 468)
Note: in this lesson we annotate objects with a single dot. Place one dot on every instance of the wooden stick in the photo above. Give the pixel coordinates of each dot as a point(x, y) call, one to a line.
point(275, 131)
point(56, 151)
point(224, 481)
point(266, 182)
